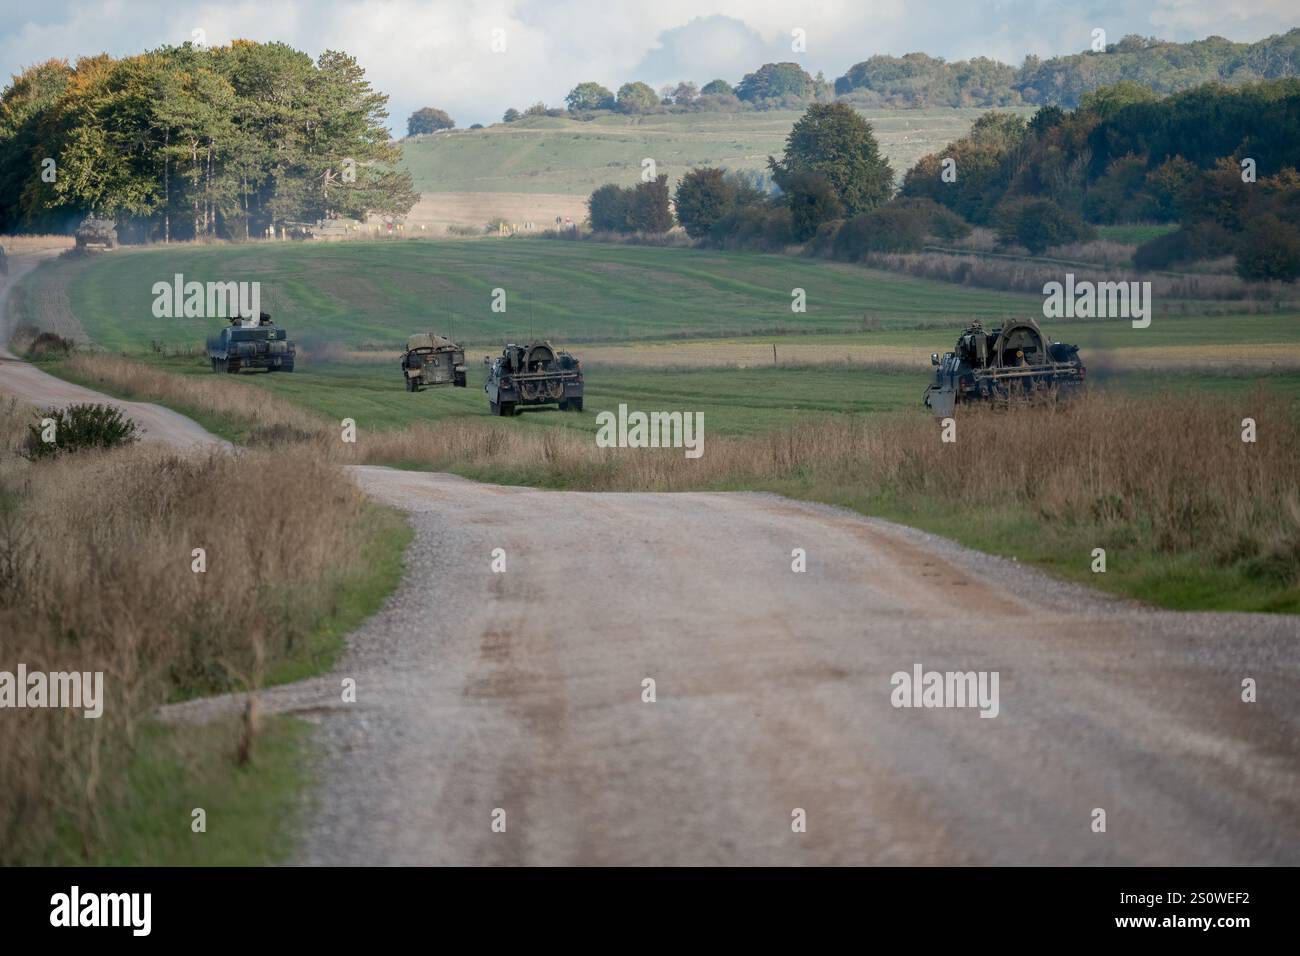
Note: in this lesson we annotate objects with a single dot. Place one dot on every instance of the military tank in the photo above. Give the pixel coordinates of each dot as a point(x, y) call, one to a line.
point(260, 344)
point(1014, 362)
point(534, 374)
point(432, 360)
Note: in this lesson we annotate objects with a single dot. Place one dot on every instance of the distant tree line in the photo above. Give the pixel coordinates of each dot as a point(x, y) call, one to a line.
point(1219, 162)
point(771, 86)
point(1160, 66)
point(919, 80)
point(186, 142)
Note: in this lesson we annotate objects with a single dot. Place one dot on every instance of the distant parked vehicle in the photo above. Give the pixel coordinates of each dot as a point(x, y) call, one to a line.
point(432, 360)
point(534, 374)
point(1012, 363)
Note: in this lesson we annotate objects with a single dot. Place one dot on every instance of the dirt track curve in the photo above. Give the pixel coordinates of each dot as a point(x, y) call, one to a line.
point(35, 387)
point(523, 690)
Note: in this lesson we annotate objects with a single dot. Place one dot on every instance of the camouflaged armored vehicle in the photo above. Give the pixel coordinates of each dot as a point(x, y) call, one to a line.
point(260, 344)
point(534, 374)
point(96, 235)
point(1013, 362)
point(432, 360)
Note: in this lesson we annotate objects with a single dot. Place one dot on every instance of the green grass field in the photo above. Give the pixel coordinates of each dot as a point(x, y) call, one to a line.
point(668, 305)
point(734, 401)
point(543, 154)
point(172, 769)
point(355, 294)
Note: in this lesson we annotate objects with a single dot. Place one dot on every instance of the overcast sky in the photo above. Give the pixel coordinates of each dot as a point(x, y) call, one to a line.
point(440, 52)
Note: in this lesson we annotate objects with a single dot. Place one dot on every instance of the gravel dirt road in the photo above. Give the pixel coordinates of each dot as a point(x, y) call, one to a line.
point(521, 690)
point(29, 384)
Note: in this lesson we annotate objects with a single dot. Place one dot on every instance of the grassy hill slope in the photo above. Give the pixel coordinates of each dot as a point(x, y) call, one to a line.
point(377, 293)
point(558, 155)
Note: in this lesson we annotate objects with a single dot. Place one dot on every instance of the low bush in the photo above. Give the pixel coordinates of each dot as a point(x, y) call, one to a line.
point(78, 428)
point(1205, 239)
point(1269, 249)
point(890, 228)
point(1037, 224)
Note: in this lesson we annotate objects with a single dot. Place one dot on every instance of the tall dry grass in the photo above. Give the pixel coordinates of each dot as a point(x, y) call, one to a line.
point(16, 245)
point(1173, 468)
point(1103, 252)
point(96, 556)
point(241, 404)
point(1026, 275)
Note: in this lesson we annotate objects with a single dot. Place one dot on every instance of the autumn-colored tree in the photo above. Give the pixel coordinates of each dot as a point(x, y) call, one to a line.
point(188, 142)
point(428, 120)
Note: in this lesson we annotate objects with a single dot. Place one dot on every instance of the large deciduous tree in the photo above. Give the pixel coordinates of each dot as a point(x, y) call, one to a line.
point(834, 142)
point(184, 142)
point(428, 120)
point(703, 197)
point(589, 96)
point(776, 80)
point(637, 98)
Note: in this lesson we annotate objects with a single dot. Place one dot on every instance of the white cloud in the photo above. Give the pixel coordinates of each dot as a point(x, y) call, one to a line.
point(437, 53)
point(1236, 21)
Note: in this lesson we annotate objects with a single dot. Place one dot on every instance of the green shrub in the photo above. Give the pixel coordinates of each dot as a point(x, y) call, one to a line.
point(1200, 240)
point(703, 197)
point(79, 427)
point(48, 343)
point(822, 244)
point(1269, 249)
point(778, 229)
point(812, 201)
point(1038, 224)
point(607, 208)
point(890, 228)
point(936, 220)
point(649, 207)
point(756, 226)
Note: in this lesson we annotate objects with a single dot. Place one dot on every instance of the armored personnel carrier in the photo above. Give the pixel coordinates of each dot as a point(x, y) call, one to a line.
point(1013, 362)
point(260, 344)
point(432, 360)
point(533, 374)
